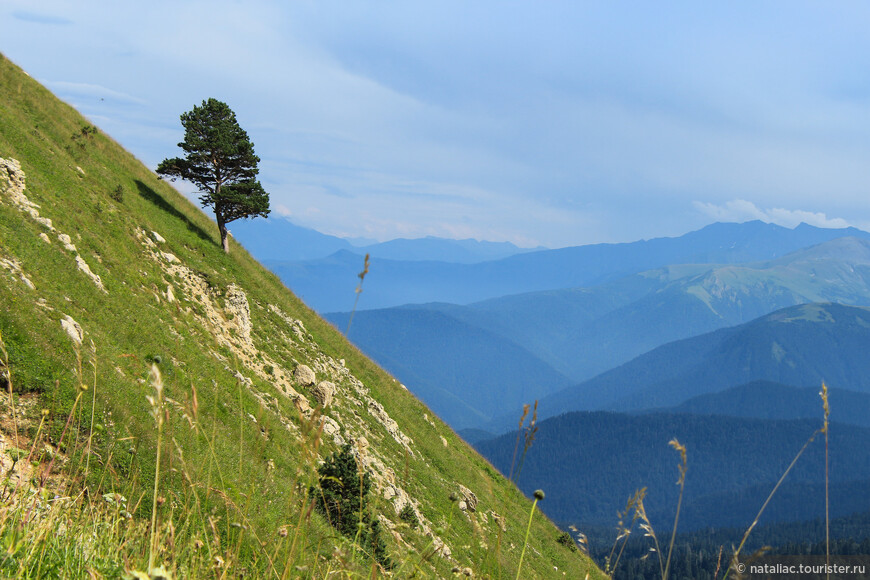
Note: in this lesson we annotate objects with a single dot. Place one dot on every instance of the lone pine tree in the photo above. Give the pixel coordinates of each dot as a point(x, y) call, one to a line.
point(219, 159)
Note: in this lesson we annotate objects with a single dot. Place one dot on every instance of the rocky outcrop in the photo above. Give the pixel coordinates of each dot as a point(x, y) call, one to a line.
point(73, 329)
point(237, 306)
point(467, 497)
point(95, 278)
point(12, 186)
point(67, 242)
point(14, 267)
point(323, 393)
point(304, 376)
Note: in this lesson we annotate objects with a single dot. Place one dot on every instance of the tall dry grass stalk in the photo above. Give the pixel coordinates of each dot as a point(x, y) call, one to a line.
point(635, 507)
point(824, 395)
point(157, 412)
point(528, 435)
point(822, 429)
point(682, 483)
point(539, 496)
point(93, 409)
point(358, 291)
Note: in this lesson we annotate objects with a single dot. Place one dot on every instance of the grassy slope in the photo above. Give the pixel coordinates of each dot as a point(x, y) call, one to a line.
point(216, 473)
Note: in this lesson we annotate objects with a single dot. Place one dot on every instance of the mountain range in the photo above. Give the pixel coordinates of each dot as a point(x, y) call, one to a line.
point(797, 346)
point(733, 464)
point(743, 400)
point(579, 333)
point(328, 283)
point(279, 239)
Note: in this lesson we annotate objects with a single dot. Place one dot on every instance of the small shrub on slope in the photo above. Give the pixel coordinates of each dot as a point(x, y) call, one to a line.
point(343, 499)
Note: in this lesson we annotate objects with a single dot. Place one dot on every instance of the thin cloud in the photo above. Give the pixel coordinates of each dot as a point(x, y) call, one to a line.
point(741, 210)
point(564, 124)
point(40, 18)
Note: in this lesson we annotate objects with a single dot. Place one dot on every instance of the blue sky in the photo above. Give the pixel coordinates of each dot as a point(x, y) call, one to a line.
point(552, 123)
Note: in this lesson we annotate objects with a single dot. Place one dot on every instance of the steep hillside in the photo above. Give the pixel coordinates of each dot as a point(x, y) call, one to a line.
point(105, 273)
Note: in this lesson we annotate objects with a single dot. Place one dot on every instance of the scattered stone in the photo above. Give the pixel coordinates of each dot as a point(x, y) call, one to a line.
point(443, 441)
point(73, 329)
point(499, 520)
point(83, 266)
point(468, 497)
point(323, 393)
point(44, 237)
point(302, 404)
point(243, 379)
point(170, 295)
point(304, 375)
point(330, 427)
point(378, 412)
point(169, 257)
point(158, 238)
point(15, 269)
point(67, 242)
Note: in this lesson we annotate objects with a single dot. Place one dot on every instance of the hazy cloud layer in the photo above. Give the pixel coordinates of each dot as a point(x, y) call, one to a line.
point(555, 123)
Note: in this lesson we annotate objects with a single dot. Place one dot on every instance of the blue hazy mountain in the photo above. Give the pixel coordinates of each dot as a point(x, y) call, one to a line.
point(465, 374)
point(279, 239)
point(434, 249)
point(762, 399)
point(581, 333)
point(797, 346)
point(590, 463)
point(327, 284)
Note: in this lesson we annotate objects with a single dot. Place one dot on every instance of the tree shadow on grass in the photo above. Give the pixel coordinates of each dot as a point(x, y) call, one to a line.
point(148, 193)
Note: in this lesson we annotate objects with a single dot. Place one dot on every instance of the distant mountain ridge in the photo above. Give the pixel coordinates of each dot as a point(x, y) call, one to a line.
point(467, 375)
point(279, 239)
point(756, 400)
point(397, 282)
point(733, 463)
point(794, 346)
point(582, 332)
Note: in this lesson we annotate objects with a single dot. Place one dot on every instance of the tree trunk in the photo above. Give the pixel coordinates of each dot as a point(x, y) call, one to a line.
point(222, 228)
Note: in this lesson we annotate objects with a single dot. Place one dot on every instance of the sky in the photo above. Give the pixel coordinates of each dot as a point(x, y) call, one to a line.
point(540, 123)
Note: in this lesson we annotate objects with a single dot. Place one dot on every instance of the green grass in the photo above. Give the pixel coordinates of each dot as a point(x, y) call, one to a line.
point(234, 455)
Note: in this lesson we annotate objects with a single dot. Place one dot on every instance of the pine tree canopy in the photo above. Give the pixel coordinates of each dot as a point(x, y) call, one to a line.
point(219, 159)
